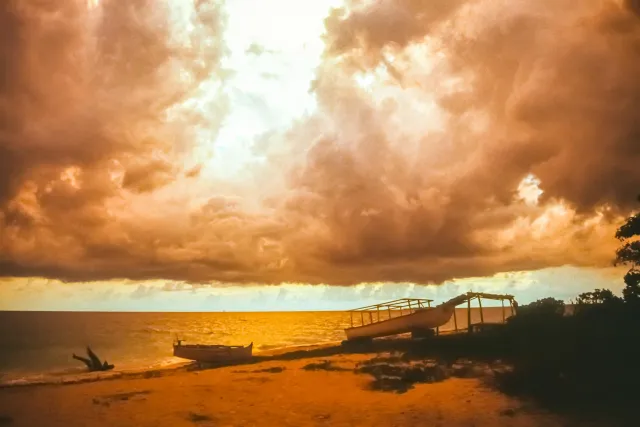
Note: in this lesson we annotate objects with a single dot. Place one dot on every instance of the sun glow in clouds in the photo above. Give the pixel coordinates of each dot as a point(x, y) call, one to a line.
point(529, 190)
point(274, 50)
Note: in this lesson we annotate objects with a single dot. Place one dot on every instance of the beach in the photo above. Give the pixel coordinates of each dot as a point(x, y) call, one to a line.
point(37, 346)
point(302, 392)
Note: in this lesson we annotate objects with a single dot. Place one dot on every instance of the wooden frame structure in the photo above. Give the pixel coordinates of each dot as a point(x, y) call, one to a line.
point(403, 306)
point(469, 296)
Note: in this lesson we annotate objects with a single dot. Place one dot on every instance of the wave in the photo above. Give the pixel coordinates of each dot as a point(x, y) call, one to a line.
point(153, 330)
point(185, 332)
point(269, 346)
point(80, 375)
point(269, 349)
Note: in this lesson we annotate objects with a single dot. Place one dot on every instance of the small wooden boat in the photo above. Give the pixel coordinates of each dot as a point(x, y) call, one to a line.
point(212, 353)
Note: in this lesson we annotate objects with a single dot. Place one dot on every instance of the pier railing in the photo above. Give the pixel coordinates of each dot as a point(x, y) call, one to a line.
point(378, 312)
point(402, 307)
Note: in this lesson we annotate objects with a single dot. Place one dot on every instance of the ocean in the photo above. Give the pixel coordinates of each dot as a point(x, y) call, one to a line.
point(37, 346)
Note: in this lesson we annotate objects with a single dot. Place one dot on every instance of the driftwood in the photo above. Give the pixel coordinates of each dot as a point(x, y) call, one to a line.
point(93, 362)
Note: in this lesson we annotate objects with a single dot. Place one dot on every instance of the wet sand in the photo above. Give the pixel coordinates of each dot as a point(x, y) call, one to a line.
point(273, 393)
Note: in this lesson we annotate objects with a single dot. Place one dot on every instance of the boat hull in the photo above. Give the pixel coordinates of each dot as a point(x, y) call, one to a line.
point(213, 354)
point(426, 318)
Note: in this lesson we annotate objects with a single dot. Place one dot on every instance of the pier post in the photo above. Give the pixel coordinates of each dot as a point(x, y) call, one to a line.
point(362, 317)
point(455, 320)
point(370, 317)
point(481, 314)
point(504, 319)
point(469, 315)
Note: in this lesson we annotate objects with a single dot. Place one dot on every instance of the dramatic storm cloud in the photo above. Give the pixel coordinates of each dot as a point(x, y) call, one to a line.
point(411, 142)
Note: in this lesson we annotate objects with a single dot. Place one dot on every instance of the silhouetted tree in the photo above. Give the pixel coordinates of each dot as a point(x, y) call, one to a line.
point(629, 254)
point(543, 307)
point(539, 316)
point(598, 296)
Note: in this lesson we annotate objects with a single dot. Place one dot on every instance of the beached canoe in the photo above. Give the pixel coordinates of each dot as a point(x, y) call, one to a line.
point(212, 353)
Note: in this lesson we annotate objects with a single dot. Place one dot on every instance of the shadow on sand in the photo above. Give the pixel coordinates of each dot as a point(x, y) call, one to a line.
point(587, 363)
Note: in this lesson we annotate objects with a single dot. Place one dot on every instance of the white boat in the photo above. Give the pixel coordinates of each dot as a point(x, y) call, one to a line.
point(419, 318)
point(414, 315)
point(212, 353)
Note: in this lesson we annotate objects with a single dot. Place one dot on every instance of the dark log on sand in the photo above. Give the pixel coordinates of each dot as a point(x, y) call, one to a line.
point(93, 362)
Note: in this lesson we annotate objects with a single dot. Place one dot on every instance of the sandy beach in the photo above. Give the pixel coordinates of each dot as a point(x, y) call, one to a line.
point(314, 392)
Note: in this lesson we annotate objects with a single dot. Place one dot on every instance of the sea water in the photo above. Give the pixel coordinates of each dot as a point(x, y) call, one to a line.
point(38, 346)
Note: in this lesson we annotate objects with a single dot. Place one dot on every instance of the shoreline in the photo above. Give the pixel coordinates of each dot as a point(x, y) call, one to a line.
point(49, 378)
point(276, 383)
point(400, 343)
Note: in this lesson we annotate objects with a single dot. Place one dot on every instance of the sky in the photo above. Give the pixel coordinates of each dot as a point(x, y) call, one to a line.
point(196, 155)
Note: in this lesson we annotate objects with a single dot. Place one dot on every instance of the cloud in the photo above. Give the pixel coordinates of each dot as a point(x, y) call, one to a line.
point(83, 105)
point(147, 177)
point(544, 88)
point(551, 80)
point(429, 117)
point(371, 26)
point(173, 286)
point(144, 291)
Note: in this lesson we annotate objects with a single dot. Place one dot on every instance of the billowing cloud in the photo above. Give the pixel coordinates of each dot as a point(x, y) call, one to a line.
point(91, 113)
point(448, 139)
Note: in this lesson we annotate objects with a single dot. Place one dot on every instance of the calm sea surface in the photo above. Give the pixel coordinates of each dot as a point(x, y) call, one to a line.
point(37, 345)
